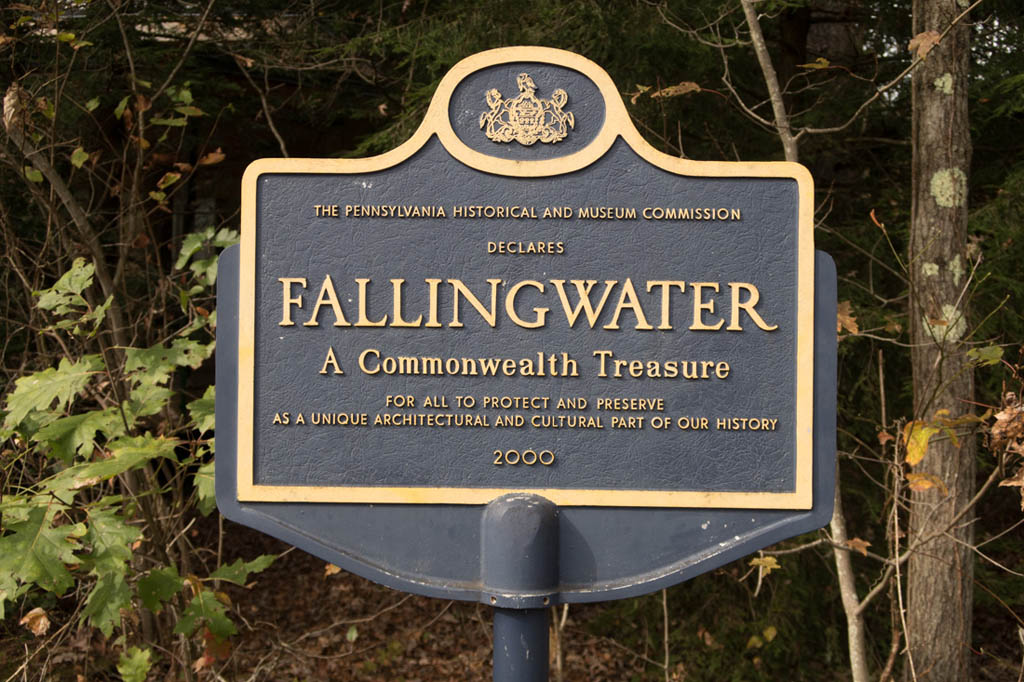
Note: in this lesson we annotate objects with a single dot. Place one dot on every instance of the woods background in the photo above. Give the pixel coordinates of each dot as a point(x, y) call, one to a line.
point(126, 129)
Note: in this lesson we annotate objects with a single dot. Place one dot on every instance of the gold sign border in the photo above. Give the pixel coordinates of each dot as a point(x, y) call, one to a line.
point(616, 124)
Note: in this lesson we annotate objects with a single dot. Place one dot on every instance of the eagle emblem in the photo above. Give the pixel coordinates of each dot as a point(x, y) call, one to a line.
point(526, 118)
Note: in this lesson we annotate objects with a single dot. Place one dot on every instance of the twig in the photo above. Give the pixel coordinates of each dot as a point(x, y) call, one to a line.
point(890, 85)
point(771, 80)
point(899, 586)
point(264, 103)
point(664, 623)
point(186, 51)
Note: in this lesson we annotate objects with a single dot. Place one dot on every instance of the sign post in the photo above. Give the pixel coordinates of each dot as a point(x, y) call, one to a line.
point(524, 358)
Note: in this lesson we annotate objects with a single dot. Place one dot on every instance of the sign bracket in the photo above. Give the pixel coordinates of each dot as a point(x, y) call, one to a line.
point(519, 567)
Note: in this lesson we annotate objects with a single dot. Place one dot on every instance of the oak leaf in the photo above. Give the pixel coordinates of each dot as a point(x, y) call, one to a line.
point(845, 319)
point(37, 621)
point(858, 545)
point(1017, 480)
point(1009, 426)
point(766, 564)
point(923, 43)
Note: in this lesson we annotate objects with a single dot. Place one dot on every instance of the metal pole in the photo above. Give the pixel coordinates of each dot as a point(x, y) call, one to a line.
point(521, 645)
point(519, 567)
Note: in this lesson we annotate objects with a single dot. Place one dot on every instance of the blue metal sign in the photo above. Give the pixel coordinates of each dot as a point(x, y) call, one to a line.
point(525, 298)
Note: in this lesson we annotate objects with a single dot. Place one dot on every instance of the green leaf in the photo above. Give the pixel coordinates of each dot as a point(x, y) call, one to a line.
point(134, 664)
point(96, 316)
point(110, 539)
point(160, 585)
point(205, 608)
point(126, 454)
point(168, 179)
point(172, 122)
point(66, 292)
point(205, 269)
point(225, 237)
point(38, 391)
point(158, 196)
point(92, 104)
point(103, 605)
point(206, 492)
point(32, 175)
point(989, 355)
point(190, 244)
point(34, 551)
point(65, 36)
point(352, 634)
point(119, 109)
point(203, 409)
point(146, 399)
point(68, 435)
point(238, 572)
point(78, 157)
point(181, 95)
point(190, 111)
point(157, 362)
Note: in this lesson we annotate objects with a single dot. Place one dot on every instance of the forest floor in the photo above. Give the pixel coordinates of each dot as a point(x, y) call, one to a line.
point(301, 620)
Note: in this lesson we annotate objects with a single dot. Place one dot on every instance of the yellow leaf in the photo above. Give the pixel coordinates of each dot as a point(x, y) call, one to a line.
point(923, 43)
point(676, 90)
point(168, 179)
point(819, 63)
point(921, 482)
point(640, 89)
point(331, 569)
point(755, 642)
point(37, 621)
point(767, 564)
point(770, 633)
point(845, 319)
point(915, 438)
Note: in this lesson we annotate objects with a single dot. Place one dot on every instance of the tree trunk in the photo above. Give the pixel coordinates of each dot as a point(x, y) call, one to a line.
point(940, 571)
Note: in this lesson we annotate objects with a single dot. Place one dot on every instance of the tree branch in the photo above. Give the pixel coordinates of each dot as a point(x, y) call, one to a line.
point(771, 80)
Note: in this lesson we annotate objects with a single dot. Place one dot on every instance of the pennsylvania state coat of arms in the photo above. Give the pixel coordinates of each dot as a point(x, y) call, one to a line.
point(526, 118)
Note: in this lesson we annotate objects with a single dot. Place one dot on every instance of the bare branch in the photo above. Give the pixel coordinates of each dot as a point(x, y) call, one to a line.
point(771, 80)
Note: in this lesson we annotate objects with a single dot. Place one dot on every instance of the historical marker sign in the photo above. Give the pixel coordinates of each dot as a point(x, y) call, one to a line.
point(526, 297)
